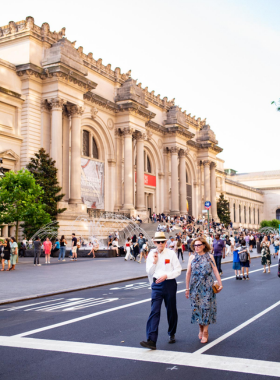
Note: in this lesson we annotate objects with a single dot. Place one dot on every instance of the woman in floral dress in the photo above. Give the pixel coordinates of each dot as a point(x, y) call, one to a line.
point(199, 282)
point(266, 256)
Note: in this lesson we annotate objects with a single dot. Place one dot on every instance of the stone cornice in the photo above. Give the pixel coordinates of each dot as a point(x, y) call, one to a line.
point(14, 94)
point(133, 107)
point(177, 130)
point(242, 197)
point(208, 146)
point(58, 71)
point(238, 184)
point(155, 126)
point(99, 100)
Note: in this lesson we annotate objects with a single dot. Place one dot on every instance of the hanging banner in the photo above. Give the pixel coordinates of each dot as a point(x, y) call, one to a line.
point(92, 183)
point(149, 180)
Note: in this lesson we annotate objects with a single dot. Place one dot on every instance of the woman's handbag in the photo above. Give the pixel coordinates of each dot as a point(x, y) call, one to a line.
point(215, 287)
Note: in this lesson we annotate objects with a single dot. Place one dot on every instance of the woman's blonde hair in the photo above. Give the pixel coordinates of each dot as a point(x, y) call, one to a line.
point(203, 241)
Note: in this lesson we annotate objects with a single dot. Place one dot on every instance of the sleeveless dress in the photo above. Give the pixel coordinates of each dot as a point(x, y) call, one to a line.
point(203, 299)
point(266, 257)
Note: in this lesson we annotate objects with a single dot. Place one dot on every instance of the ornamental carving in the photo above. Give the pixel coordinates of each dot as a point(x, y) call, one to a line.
point(174, 150)
point(110, 124)
point(57, 103)
point(139, 136)
point(127, 131)
point(94, 112)
point(149, 135)
point(213, 165)
point(206, 163)
point(118, 133)
point(45, 106)
point(160, 143)
point(75, 110)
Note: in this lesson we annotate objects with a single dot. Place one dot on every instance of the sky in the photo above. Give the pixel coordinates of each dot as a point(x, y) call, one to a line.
point(219, 59)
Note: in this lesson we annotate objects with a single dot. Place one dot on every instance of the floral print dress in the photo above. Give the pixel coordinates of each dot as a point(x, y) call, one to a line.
point(266, 257)
point(203, 299)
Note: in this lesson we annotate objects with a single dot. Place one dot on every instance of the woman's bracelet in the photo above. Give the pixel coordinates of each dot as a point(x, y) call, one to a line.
point(187, 289)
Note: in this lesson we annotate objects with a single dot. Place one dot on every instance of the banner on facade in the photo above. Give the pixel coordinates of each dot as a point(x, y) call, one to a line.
point(149, 180)
point(92, 183)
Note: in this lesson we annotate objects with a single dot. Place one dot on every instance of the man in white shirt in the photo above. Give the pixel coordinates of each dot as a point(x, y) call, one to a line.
point(162, 267)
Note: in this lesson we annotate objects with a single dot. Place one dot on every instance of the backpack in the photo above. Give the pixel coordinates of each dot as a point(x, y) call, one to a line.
point(243, 256)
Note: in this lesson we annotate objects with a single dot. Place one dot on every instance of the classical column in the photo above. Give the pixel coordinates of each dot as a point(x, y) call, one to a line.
point(140, 200)
point(128, 169)
point(206, 164)
point(56, 134)
point(166, 180)
point(5, 231)
point(183, 185)
point(213, 190)
point(75, 173)
point(65, 155)
point(45, 126)
point(111, 194)
point(200, 195)
point(119, 157)
point(174, 181)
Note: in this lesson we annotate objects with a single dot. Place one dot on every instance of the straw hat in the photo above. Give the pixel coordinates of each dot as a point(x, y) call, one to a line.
point(159, 236)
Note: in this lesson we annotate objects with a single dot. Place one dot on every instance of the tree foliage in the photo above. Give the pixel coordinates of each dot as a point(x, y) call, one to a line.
point(223, 210)
point(42, 166)
point(274, 223)
point(21, 201)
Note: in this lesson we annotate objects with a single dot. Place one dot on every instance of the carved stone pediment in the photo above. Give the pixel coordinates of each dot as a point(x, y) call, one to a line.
point(9, 155)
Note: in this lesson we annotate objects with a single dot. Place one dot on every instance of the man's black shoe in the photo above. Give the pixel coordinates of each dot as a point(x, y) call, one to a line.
point(149, 344)
point(172, 339)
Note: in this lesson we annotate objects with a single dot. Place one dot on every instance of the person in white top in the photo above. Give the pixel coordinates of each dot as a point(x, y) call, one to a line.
point(162, 267)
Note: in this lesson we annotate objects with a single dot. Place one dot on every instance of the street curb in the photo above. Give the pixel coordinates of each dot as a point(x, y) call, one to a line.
point(6, 302)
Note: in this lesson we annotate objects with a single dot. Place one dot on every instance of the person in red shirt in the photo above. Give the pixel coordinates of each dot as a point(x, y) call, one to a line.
point(47, 248)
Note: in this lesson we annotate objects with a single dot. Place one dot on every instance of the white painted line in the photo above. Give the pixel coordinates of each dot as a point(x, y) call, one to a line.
point(32, 304)
point(231, 332)
point(223, 363)
point(31, 332)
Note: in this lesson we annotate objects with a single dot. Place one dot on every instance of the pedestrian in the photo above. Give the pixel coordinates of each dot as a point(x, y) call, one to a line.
point(180, 249)
point(37, 251)
point(162, 268)
point(245, 259)
point(276, 247)
point(115, 245)
point(63, 244)
point(22, 249)
point(135, 247)
point(141, 241)
point(5, 254)
point(143, 252)
point(95, 247)
point(74, 247)
point(251, 242)
point(47, 248)
point(14, 252)
point(128, 255)
point(55, 248)
point(228, 246)
point(219, 251)
point(266, 256)
point(236, 266)
point(199, 287)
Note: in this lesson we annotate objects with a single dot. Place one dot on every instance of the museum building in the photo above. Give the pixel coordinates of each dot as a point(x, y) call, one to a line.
point(118, 147)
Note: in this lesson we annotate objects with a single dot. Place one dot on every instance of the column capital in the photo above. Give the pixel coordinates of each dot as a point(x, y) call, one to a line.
point(206, 163)
point(166, 150)
point(118, 133)
point(139, 136)
point(127, 131)
point(160, 175)
point(65, 112)
point(45, 106)
point(183, 153)
point(75, 111)
point(57, 103)
point(174, 150)
point(213, 165)
point(111, 162)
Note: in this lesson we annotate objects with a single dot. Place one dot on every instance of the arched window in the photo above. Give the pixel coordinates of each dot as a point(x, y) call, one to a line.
point(234, 216)
point(250, 215)
point(149, 167)
point(85, 143)
point(187, 178)
point(94, 149)
point(245, 214)
point(239, 213)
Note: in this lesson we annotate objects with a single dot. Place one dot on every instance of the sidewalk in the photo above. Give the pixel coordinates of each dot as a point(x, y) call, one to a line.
point(29, 282)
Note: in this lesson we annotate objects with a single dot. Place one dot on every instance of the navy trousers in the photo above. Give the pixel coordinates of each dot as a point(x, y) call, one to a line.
point(218, 260)
point(166, 291)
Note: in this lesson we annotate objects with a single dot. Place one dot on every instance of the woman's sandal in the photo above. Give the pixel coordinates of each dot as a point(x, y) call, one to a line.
point(205, 337)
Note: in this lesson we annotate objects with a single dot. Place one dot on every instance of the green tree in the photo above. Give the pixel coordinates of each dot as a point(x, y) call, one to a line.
point(42, 166)
point(21, 200)
point(274, 223)
point(223, 210)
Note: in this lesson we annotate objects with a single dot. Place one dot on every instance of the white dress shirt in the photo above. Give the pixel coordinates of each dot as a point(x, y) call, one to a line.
point(172, 268)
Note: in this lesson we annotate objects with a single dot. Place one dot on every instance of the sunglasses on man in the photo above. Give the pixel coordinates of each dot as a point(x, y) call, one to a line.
point(160, 242)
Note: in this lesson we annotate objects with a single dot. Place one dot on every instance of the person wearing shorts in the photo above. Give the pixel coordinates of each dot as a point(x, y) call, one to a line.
point(74, 247)
point(47, 248)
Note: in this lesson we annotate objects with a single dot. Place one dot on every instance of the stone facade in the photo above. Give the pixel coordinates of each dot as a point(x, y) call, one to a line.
point(153, 156)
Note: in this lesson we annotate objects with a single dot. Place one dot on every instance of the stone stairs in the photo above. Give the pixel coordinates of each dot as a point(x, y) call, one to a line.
point(151, 228)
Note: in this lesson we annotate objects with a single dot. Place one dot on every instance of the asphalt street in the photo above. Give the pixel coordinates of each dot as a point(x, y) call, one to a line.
point(95, 334)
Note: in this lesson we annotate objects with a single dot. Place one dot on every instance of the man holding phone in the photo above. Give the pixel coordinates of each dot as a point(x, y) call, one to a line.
point(162, 267)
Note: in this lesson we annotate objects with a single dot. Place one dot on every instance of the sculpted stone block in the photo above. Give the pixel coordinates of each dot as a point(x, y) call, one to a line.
point(130, 91)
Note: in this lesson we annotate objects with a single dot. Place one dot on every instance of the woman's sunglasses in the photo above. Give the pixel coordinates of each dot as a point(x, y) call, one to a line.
point(198, 245)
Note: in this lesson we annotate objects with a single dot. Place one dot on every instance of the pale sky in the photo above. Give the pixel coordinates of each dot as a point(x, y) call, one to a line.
point(219, 59)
